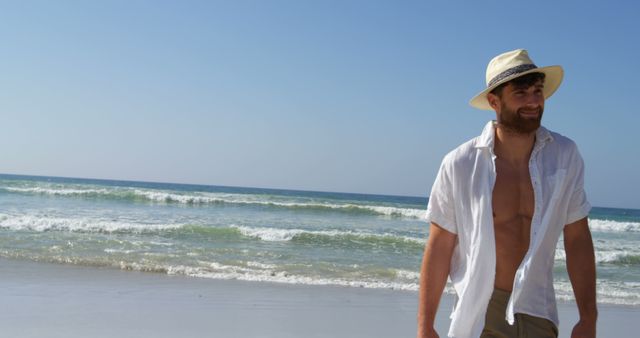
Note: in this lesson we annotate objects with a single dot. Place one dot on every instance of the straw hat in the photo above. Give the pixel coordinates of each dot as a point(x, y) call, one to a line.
point(510, 65)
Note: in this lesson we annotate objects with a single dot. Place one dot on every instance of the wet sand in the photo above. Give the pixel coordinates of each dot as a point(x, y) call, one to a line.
point(49, 300)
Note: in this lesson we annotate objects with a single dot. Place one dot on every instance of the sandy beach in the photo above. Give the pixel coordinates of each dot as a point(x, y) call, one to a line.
point(49, 300)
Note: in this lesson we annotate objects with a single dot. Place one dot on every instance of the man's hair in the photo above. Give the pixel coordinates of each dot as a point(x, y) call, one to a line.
point(527, 80)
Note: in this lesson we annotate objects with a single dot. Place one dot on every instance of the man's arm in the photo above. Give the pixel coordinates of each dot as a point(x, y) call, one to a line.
point(433, 277)
point(582, 273)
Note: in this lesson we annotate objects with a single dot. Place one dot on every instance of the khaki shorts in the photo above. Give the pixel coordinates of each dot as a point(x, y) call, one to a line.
point(496, 326)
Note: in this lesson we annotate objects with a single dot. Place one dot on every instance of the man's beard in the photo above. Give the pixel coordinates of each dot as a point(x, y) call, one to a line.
point(513, 121)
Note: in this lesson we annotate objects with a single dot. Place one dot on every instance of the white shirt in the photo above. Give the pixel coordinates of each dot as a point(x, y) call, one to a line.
point(461, 203)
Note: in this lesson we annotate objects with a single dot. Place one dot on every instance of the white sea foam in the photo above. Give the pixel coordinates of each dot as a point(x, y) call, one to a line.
point(610, 292)
point(117, 251)
point(283, 235)
point(48, 223)
point(57, 191)
point(608, 255)
point(413, 276)
point(174, 226)
point(269, 234)
point(217, 198)
point(43, 223)
point(405, 212)
point(168, 197)
point(256, 272)
point(613, 256)
point(220, 271)
point(163, 196)
point(262, 266)
point(613, 226)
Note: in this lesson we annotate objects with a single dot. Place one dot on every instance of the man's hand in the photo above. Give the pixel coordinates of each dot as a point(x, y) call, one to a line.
point(430, 333)
point(584, 329)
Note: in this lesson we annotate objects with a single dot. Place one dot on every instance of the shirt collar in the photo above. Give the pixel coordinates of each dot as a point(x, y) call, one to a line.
point(487, 138)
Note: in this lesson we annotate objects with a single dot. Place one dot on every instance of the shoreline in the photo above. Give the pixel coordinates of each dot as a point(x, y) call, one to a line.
point(43, 299)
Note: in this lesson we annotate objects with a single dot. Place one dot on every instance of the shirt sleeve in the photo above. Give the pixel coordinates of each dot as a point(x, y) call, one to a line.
point(579, 207)
point(441, 209)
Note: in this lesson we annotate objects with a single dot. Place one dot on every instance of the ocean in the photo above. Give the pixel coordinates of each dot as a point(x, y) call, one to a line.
point(264, 235)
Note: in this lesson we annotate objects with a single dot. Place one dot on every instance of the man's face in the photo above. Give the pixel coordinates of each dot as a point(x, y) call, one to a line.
point(519, 108)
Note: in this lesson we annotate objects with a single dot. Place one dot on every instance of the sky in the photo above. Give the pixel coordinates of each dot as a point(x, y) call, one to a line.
point(343, 96)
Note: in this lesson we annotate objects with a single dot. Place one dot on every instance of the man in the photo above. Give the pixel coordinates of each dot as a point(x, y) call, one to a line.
point(496, 211)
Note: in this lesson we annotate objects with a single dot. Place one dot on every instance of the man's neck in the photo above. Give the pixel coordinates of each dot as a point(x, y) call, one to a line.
point(513, 147)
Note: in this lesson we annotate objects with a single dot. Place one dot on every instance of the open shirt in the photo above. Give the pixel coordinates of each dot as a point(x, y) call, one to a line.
point(461, 203)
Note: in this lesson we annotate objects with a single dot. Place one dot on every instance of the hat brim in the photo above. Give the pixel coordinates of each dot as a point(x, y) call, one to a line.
point(553, 78)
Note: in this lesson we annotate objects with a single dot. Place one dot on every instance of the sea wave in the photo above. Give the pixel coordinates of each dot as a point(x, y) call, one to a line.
point(58, 192)
point(608, 292)
point(45, 223)
point(621, 256)
point(613, 226)
point(328, 236)
point(233, 232)
point(249, 271)
point(206, 198)
point(229, 272)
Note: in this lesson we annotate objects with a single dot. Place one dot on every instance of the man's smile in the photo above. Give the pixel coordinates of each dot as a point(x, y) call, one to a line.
point(530, 113)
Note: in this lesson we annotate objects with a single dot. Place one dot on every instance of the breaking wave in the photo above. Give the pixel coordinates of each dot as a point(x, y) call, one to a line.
point(206, 198)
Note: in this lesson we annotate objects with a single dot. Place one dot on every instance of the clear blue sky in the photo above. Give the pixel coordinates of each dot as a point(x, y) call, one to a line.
point(351, 96)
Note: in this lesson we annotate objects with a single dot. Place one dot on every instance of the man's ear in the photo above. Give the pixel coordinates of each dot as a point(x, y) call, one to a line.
point(494, 101)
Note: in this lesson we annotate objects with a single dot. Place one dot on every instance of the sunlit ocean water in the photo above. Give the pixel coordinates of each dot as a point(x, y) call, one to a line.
point(282, 236)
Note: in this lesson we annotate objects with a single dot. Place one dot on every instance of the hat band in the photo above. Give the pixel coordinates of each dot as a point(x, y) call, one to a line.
point(511, 71)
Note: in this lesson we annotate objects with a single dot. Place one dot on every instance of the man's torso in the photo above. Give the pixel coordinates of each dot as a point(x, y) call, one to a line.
point(513, 205)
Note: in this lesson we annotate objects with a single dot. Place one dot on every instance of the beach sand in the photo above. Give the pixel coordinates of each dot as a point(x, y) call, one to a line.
point(48, 300)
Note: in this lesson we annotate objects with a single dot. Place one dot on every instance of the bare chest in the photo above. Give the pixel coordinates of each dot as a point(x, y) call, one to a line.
point(512, 193)
point(513, 205)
